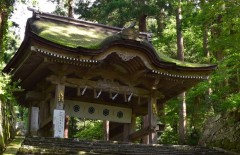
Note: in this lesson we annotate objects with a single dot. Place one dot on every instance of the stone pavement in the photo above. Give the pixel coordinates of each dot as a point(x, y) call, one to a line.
point(40, 145)
point(13, 146)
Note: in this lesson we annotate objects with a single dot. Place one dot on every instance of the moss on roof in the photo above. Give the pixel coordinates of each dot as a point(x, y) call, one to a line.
point(74, 36)
point(70, 35)
point(180, 63)
point(165, 58)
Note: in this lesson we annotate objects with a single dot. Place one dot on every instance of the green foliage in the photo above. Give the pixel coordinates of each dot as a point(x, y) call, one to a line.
point(72, 127)
point(7, 87)
point(106, 12)
point(7, 101)
point(170, 119)
point(90, 129)
point(6, 8)
point(115, 12)
point(167, 43)
point(7, 113)
point(226, 83)
point(169, 136)
point(219, 18)
point(61, 7)
point(12, 42)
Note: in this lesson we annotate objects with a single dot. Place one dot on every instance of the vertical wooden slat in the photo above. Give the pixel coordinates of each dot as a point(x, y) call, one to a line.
point(152, 119)
point(34, 125)
point(145, 139)
point(29, 119)
point(106, 130)
point(133, 124)
point(57, 117)
point(126, 131)
point(59, 96)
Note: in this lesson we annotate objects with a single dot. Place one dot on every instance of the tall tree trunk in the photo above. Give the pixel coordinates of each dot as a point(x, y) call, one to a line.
point(215, 34)
point(205, 30)
point(180, 55)
point(142, 18)
point(205, 41)
point(160, 22)
point(207, 54)
point(180, 47)
point(182, 118)
point(238, 81)
point(70, 8)
point(2, 144)
point(3, 22)
point(143, 23)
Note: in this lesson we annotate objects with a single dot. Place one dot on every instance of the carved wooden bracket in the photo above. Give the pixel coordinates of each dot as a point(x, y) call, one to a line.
point(106, 85)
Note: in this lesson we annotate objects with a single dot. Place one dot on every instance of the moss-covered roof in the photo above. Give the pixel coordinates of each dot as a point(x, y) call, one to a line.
point(70, 35)
point(88, 36)
point(180, 63)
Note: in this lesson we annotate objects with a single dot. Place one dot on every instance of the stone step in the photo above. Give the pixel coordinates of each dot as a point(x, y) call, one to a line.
point(38, 145)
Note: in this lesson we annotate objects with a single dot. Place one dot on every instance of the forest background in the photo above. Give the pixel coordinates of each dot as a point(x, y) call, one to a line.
point(198, 31)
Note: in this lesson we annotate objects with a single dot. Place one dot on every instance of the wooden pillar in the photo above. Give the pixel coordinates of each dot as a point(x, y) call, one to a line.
point(129, 128)
point(126, 131)
point(152, 119)
point(106, 130)
point(145, 139)
point(161, 113)
point(29, 120)
point(34, 124)
point(59, 113)
point(59, 96)
point(42, 114)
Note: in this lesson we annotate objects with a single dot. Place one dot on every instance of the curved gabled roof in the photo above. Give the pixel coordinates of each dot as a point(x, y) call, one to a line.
point(90, 38)
point(103, 51)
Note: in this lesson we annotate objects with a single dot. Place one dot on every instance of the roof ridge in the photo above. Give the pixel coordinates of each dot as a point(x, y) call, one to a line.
point(70, 20)
point(39, 14)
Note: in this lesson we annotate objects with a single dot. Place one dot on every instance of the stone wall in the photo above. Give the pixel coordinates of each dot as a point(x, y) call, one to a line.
point(223, 131)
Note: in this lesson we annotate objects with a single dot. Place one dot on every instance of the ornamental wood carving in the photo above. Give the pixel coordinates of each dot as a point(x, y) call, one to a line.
point(126, 55)
point(107, 86)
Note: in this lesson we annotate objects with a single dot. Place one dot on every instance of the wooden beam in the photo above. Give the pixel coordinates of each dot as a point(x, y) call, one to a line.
point(110, 72)
point(46, 121)
point(105, 85)
point(61, 69)
point(22, 62)
point(35, 71)
point(141, 133)
point(34, 95)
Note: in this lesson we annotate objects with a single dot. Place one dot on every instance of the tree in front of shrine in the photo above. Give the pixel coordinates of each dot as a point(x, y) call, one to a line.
point(8, 45)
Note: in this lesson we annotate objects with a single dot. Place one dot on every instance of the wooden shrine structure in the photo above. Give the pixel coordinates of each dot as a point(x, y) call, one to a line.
point(69, 67)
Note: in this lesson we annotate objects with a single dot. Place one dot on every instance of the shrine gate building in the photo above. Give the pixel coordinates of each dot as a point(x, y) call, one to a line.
point(70, 67)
